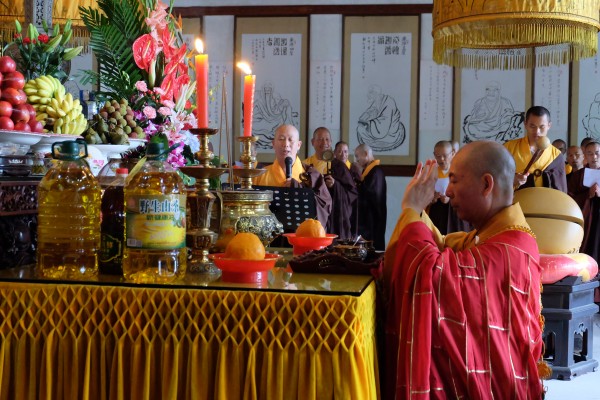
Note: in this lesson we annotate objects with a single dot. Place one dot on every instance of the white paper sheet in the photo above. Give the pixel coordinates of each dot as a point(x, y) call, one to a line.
point(591, 176)
point(441, 185)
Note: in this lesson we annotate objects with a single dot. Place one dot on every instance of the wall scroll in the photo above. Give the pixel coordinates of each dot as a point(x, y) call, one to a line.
point(380, 86)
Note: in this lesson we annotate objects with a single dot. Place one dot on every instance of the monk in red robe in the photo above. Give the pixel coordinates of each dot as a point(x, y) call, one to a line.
point(462, 309)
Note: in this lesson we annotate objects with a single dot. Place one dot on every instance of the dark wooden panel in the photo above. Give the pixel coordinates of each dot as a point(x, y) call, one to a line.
point(286, 11)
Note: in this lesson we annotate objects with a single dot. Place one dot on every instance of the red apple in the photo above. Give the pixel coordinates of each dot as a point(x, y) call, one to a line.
point(13, 79)
point(13, 96)
point(22, 126)
point(36, 126)
point(30, 110)
point(7, 64)
point(20, 113)
point(1, 79)
point(6, 123)
point(5, 108)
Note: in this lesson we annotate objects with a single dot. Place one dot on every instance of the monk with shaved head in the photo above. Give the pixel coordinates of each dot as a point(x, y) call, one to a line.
point(462, 309)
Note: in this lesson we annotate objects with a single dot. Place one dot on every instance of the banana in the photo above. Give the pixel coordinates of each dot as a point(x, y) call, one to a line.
point(41, 116)
point(54, 103)
point(44, 93)
point(57, 85)
point(52, 112)
point(45, 83)
point(30, 90)
point(69, 100)
point(81, 125)
point(33, 98)
point(59, 97)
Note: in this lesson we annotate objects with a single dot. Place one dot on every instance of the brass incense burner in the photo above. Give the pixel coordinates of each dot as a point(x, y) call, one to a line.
point(246, 209)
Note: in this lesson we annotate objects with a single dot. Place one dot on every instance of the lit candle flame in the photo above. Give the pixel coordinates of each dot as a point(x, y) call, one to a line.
point(244, 67)
point(199, 46)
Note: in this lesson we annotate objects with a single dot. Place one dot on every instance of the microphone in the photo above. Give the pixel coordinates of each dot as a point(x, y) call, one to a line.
point(288, 167)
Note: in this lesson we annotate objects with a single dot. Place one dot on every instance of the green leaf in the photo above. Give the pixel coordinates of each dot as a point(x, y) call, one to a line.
point(111, 41)
point(56, 30)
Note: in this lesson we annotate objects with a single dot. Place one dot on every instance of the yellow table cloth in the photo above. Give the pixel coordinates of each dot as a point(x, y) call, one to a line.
point(116, 341)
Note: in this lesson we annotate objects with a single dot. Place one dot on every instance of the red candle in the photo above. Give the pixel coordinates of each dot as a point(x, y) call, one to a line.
point(201, 61)
point(249, 82)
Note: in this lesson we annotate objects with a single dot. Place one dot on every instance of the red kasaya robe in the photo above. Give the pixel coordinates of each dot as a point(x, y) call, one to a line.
point(462, 313)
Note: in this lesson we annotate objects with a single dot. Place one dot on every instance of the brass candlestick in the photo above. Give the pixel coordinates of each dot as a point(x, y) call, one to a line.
point(199, 237)
point(204, 155)
point(247, 172)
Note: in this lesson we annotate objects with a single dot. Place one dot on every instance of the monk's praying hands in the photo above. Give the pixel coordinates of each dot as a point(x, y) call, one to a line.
point(421, 189)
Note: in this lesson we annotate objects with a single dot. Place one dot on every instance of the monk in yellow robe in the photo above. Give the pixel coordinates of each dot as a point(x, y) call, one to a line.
point(462, 315)
point(286, 143)
point(321, 142)
point(549, 169)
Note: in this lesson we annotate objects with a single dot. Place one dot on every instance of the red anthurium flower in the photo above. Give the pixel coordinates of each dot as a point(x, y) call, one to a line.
point(179, 82)
point(43, 38)
point(144, 51)
point(167, 87)
point(171, 68)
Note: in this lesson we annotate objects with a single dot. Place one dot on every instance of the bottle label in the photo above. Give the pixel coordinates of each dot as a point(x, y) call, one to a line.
point(155, 221)
point(110, 249)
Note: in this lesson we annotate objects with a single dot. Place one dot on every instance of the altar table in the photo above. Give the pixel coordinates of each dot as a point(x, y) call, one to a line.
point(311, 336)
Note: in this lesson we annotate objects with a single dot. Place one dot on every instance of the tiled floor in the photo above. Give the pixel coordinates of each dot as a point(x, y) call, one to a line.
point(583, 387)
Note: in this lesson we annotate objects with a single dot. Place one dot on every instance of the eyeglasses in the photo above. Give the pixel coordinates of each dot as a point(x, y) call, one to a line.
point(442, 155)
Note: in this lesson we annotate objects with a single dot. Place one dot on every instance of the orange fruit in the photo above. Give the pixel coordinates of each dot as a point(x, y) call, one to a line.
point(310, 228)
point(245, 246)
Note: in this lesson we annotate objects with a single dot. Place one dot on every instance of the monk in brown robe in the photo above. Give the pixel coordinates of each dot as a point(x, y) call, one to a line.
point(286, 143)
point(340, 183)
point(340, 152)
point(462, 317)
point(549, 169)
point(575, 160)
point(588, 199)
point(372, 197)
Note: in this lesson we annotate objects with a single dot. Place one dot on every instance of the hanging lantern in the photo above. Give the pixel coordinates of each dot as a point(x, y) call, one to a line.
point(514, 34)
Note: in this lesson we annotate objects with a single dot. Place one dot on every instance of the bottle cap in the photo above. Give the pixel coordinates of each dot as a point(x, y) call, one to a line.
point(156, 151)
point(69, 150)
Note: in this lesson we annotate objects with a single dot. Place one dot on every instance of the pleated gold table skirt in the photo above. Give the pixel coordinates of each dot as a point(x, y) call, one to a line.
point(82, 341)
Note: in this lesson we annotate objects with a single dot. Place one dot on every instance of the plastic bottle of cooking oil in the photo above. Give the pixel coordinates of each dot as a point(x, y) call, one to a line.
point(68, 215)
point(155, 203)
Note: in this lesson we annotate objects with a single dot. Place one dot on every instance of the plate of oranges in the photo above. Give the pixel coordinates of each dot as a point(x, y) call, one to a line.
point(244, 260)
point(310, 235)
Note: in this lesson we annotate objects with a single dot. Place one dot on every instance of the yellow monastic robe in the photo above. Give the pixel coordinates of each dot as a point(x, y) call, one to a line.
point(372, 165)
point(521, 152)
point(348, 164)
point(317, 164)
point(275, 175)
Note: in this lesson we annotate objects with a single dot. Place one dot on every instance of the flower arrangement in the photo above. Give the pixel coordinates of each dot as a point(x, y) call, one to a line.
point(149, 68)
point(44, 53)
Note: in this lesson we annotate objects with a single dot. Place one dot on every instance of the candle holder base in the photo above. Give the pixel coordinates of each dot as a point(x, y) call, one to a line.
point(200, 241)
